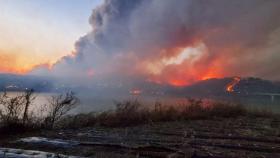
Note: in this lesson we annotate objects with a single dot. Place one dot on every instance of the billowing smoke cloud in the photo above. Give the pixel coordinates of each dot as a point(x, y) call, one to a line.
point(177, 41)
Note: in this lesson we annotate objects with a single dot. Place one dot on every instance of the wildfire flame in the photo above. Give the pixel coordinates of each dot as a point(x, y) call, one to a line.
point(231, 85)
point(182, 66)
point(135, 92)
point(90, 72)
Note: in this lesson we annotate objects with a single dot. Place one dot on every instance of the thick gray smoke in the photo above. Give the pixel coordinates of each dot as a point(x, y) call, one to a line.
point(138, 39)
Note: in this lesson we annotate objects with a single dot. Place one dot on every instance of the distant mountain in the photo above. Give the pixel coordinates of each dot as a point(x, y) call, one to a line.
point(12, 82)
point(221, 87)
point(216, 87)
point(256, 85)
point(207, 88)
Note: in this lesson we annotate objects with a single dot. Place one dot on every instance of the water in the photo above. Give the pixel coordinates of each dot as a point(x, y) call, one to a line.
point(97, 103)
point(89, 103)
point(101, 103)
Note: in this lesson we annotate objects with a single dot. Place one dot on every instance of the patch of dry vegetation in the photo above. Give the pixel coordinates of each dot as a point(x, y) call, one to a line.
point(15, 115)
point(131, 113)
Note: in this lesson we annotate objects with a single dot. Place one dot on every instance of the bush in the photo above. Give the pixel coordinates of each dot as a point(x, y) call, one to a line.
point(227, 110)
point(59, 106)
point(78, 120)
point(132, 112)
point(127, 113)
point(15, 115)
point(11, 109)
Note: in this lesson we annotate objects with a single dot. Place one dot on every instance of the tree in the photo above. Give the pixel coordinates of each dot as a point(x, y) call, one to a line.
point(11, 108)
point(29, 97)
point(59, 106)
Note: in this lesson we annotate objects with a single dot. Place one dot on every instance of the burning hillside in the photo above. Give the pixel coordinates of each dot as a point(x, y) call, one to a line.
point(230, 87)
point(224, 87)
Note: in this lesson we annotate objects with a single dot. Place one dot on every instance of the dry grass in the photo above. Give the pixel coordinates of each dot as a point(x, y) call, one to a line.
point(131, 113)
point(126, 113)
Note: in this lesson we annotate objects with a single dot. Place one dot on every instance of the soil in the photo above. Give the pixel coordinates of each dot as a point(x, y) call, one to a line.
point(214, 138)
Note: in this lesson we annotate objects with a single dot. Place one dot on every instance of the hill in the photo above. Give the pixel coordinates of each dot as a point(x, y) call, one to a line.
point(12, 82)
point(228, 86)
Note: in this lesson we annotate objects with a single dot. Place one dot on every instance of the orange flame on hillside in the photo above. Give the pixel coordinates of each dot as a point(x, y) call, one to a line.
point(231, 85)
point(135, 92)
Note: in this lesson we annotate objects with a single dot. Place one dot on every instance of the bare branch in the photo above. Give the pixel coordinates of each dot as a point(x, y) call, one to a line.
point(59, 106)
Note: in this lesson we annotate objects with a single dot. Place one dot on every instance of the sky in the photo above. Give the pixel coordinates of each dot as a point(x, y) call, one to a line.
point(34, 32)
point(176, 42)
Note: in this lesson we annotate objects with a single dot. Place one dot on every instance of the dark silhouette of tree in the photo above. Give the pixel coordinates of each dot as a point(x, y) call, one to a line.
point(29, 97)
point(59, 106)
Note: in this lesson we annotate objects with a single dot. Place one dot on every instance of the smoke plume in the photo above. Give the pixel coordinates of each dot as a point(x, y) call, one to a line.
point(177, 41)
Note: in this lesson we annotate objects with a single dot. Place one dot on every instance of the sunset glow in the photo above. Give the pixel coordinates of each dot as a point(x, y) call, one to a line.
point(96, 40)
point(35, 33)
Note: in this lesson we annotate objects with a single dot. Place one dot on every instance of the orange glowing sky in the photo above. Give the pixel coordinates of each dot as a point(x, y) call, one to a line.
point(35, 32)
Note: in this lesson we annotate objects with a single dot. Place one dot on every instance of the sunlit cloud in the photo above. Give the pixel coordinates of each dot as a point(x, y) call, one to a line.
point(32, 35)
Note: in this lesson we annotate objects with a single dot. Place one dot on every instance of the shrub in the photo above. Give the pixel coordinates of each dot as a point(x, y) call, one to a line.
point(11, 108)
point(14, 112)
point(127, 113)
point(194, 109)
point(227, 110)
point(59, 106)
point(15, 115)
point(78, 120)
point(132, 112)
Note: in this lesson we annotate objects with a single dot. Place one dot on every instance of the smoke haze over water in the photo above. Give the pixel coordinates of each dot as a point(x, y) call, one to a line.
point(175, 42)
